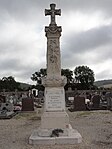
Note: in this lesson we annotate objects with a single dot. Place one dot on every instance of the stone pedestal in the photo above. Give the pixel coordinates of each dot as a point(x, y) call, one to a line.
point(70, 137)
point(55, 127)
point(54, 120)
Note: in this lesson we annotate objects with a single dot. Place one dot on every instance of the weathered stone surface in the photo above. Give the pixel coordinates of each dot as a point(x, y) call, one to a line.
point(54, 99)
point(73, 137)
point(54, 116)
point(54, 120)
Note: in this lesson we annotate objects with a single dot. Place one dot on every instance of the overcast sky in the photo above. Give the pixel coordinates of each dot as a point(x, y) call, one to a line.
point(86, 36)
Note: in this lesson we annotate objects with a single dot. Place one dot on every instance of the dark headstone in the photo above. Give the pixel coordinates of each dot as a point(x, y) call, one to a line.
point(69, 94)
point(27, 104)
point(2, 99)
point(79, 104)
point(40, 94)
point(96, 101)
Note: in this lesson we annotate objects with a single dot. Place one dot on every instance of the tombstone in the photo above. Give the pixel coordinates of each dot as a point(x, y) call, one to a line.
point(2, 99)
point(69, 95)
point(24, 95)
point(108, 97)
point(27, 104)
point(8, 106)
point(55, 127)
point(6, 110)
point(96, 102)
point(79, 104)
point(40, 94)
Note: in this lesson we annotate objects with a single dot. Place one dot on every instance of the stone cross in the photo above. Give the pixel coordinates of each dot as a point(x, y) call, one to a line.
point(54, 118)
point(52, 12)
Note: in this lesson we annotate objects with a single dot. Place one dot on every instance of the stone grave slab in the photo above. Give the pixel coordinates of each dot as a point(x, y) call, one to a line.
point(79, 104)
point(96, 102)
point(27, 104)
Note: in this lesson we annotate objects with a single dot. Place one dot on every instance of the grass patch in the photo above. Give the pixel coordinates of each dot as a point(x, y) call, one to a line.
point(104, 112)
point(24, 115)
point(35, 118)
point(84, 114)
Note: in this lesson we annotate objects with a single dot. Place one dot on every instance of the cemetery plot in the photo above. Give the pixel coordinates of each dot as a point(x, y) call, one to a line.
point(6, 111)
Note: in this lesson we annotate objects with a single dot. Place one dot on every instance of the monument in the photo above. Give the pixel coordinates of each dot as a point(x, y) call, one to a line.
point(55, 127)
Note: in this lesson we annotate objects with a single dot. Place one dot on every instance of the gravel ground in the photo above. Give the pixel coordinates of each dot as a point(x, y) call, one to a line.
point(94, 126)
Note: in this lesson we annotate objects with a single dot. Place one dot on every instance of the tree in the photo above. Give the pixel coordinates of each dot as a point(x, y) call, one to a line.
point(37, 76)
point(68, 73)
point(84, 76)
point(9, 83)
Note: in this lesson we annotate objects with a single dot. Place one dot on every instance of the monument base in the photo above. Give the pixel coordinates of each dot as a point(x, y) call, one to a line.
point(54, 120)
point(72, 137)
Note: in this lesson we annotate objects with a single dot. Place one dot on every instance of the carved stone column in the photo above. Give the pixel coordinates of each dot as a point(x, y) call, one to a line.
point(53, 51)
point(54, 78)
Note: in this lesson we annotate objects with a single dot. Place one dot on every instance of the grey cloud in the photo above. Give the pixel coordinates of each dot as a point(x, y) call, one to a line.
point(20, 69)
point(87, 6)
point(32, 12)
point(72, 61)
point(96, 40)
point(10, 64)
point(104, 74)
point(28, 9)
point(90, 39)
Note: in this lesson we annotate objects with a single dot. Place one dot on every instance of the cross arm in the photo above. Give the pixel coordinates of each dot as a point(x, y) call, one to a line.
point(47, 12)
point(58, 12)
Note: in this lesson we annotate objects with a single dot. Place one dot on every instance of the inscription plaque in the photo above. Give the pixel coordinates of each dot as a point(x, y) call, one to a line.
point(55, 99)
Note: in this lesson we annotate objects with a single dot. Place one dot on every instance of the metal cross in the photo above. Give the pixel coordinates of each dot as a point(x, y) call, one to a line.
point(52, 12)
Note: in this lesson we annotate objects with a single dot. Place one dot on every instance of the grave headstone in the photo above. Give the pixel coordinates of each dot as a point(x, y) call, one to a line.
point(79, 104)
point(27, 104)
point(69, 94)
point(2, 99)
point(8, 106)
point(96, 101)
point(6, 111)
point(108, 97)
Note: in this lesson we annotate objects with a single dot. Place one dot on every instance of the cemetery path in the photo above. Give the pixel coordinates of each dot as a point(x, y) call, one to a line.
point(94, 126)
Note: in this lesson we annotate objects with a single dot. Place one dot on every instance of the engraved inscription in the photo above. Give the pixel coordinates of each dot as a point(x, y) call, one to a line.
point(55, 100)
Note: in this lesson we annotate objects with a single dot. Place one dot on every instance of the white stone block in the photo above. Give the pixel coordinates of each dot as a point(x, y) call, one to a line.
point(53, 120)
point(72, 138)
point(54, 99)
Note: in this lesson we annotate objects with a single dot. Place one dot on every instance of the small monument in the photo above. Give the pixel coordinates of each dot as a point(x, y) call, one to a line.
point(55, 127)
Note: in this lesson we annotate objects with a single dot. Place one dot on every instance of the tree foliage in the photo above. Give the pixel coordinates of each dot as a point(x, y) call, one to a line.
point(37, 76)
point(85, 76)
point(68, 73)
point(9, 84)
